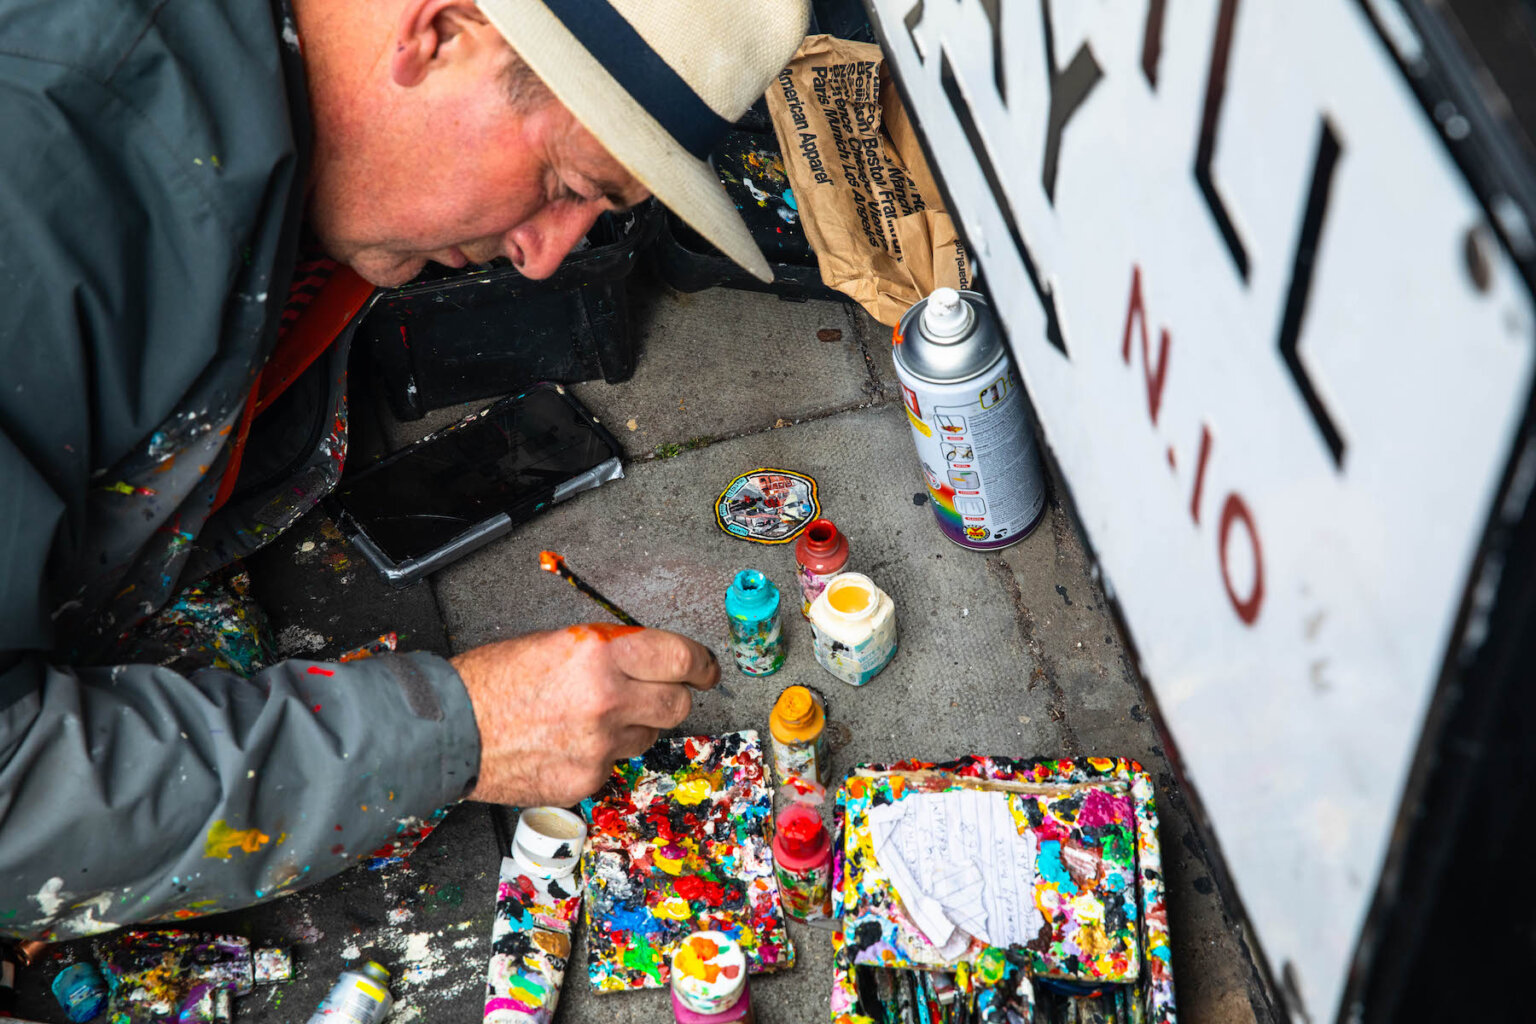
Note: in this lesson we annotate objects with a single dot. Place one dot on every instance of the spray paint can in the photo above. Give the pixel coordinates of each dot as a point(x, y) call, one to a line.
point(798, 729)
point(709, 981)
point(802, 861)
point(970, 421)
point(81, 991)
point(359, 997)
point(820, 553)
point(757, 634)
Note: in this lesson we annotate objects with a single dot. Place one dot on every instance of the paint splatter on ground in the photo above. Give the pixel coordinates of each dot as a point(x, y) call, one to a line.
point(386, 642)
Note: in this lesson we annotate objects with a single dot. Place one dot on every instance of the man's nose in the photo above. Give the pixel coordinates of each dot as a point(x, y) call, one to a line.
point(545, 240)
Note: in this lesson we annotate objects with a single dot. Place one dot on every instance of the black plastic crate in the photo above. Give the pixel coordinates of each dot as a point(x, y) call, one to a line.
point(453, 336)
point(751, 169)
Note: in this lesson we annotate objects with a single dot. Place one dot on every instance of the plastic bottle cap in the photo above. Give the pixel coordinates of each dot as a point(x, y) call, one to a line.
point(796, 706)
point(377, 968)
point(821, 536)
point(946, 316)
point(753, 591)
point(801, 831)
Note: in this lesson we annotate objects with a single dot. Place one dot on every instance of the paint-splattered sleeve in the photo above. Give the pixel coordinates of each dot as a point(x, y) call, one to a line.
point(134, 794)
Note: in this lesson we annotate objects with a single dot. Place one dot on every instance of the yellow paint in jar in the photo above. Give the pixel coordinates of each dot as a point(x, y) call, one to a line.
point(853, 626)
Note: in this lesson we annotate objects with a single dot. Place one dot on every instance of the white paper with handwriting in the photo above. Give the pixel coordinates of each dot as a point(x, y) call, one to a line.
point(960, 866)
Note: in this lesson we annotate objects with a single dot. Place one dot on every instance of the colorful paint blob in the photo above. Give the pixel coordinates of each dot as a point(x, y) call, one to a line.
point(222, 841)
point(679, 844)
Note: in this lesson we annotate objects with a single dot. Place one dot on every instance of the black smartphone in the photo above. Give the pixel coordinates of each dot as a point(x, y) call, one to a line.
point(465, 485)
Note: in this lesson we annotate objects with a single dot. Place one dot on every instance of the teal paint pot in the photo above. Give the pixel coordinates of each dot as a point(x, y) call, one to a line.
point(81, 991)
point(757, 633)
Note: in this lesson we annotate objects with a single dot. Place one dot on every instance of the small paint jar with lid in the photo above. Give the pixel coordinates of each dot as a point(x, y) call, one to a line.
point(709, 981)
point(820, 553)
point(798, 725)
point(853, 626)
point(802, 861)
point(757, 634)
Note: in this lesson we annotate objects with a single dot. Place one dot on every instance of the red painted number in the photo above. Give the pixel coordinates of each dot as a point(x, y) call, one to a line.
point(1234, 509)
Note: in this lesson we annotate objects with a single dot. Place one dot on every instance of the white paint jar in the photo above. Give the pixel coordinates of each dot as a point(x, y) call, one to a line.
point(853, 626)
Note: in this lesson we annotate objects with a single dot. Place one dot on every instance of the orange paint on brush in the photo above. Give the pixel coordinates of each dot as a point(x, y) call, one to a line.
point(550, 562)
point(604, 631)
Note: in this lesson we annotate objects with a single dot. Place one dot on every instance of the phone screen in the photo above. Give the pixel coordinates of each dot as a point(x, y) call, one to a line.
point(511, 458)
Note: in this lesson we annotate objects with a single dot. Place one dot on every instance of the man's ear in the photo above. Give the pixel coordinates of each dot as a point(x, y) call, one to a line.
point(424, 29)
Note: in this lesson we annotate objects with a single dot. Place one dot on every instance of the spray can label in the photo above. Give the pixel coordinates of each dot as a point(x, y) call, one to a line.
point(807, 895)
point(978, 455)
point(969, 421)
point(355, 999)
point(757, 644)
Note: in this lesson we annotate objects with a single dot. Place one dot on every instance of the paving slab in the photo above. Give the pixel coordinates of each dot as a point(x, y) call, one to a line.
point(720, 363)
point(1010, 653)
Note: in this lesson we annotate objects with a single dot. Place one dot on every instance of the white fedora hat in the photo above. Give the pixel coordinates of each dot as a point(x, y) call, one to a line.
point(658, 83)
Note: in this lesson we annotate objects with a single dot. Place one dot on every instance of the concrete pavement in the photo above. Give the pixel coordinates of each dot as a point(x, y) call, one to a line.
point(1010, 653)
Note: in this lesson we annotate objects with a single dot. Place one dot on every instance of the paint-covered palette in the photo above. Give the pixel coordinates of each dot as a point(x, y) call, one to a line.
point(1099, 890)
point(679, 843)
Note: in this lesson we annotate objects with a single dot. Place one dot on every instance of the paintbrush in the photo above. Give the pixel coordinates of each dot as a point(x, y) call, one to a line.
point(550, 562)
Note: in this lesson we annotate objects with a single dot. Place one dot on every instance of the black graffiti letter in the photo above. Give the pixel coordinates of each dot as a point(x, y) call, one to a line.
point(1323, 164)
point(1068, 89)
point(1152, 41)
point(913, 19)
point(1215, 88)
point(962, 111)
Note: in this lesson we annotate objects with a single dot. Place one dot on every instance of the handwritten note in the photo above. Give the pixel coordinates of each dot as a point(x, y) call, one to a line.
point(960, 866)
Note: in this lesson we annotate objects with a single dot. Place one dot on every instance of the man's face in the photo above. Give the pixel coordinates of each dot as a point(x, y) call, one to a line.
point(465, 177)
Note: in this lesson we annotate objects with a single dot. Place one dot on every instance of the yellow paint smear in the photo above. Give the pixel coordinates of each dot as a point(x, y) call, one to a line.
point(223, 841)
point(674, 908)
point(693, 791)
point(693, 960)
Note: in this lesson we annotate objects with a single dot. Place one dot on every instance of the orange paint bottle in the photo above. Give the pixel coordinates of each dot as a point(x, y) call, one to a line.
point(798, 726)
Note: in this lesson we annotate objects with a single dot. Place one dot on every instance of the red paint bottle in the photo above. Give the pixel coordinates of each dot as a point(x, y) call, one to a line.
point(820, 553)
point(802, 861)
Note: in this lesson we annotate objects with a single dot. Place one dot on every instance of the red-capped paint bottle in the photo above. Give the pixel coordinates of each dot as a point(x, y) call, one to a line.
point(802, 861)
point(820, 553)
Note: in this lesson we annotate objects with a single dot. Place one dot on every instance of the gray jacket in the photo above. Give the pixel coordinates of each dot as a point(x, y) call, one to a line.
point(152, 157)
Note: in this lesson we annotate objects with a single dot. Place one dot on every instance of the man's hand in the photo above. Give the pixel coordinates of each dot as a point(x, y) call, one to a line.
point(557, 709)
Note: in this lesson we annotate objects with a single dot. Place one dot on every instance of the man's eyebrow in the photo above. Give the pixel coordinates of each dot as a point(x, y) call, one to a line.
point(613, 191)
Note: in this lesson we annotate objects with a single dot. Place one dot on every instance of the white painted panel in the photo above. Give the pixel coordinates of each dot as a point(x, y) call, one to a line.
point(1297, 728)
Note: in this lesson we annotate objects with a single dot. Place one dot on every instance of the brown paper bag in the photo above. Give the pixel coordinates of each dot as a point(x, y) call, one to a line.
point(867, 200)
